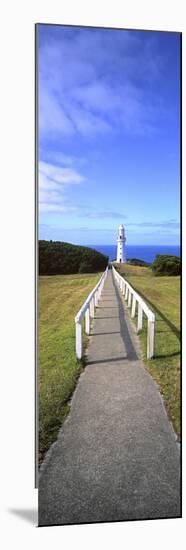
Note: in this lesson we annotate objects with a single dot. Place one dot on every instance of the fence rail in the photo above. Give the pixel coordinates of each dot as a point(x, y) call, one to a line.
point(87, 312)
point(133, 298)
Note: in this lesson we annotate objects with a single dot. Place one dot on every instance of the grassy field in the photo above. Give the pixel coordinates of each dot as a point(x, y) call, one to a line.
point(60, 298)
point(163, 296)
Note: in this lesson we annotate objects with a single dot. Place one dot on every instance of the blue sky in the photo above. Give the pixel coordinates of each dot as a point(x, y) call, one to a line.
point(109, 148)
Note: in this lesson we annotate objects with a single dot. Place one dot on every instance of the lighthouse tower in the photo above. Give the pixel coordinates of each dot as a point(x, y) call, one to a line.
point(121, 258)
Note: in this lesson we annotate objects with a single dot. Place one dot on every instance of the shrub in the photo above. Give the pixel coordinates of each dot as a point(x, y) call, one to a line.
point(135, 261)
point(85, 267)
point(166, 265)
point(58, 258)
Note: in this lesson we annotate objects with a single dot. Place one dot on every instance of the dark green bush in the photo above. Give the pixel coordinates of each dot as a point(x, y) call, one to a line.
point(135, 261)
point(166, 265)
point(85, 267)
point(58, 258)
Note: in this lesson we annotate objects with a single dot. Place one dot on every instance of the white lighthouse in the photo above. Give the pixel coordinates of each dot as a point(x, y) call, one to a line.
point(121, 258)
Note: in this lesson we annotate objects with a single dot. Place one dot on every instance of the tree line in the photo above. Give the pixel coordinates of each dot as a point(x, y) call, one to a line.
point(60, 258)
point(164, 264)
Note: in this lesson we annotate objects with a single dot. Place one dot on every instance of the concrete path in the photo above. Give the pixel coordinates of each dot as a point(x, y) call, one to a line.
point(116, 457)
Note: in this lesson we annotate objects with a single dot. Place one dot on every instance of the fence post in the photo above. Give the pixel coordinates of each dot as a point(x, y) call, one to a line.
point(87, 321)
point(123, 288)
point(96, 298)
point(150, 338)
point(129, 299)
point(79, 339)
point(126, 292)
point(99, 291)
point(133, 307)
point(140, 318)
point(92, 307)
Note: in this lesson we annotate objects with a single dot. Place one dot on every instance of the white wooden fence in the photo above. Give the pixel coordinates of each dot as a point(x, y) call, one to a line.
point(133, 298)
point(87, 311)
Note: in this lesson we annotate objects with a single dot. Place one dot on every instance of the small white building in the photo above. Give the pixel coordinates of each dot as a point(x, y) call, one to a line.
point(121, 257)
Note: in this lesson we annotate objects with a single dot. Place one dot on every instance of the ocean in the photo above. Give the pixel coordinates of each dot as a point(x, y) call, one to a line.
point(141, 252)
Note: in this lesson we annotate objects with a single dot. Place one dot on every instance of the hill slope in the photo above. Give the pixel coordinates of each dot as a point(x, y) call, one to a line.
point(59, 258)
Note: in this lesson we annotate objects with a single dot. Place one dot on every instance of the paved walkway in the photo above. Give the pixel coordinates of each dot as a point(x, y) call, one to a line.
point(116, 457)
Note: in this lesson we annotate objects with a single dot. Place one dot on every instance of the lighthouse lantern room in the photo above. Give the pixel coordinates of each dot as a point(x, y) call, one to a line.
point(121, 258)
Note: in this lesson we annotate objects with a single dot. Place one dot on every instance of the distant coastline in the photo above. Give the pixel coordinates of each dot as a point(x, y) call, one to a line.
point(142, 252)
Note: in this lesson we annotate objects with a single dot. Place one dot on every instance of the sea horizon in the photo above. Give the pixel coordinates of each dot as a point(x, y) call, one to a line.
point(141, 252)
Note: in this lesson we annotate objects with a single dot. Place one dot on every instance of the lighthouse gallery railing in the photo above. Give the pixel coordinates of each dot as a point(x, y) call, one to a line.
point(133, 297)
point(87, 310)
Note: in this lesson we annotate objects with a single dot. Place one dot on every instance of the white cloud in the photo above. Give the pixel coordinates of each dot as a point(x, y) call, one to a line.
point(60, 175)
point(92, 81)
point(166, 223)
point(53, 181)
point(55, 207)
point(61, 159)
point(102, 215)
point(52, 117)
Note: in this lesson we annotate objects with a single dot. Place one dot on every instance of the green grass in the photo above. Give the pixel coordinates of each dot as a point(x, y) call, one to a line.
point(60, 298)
point(163, 296)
